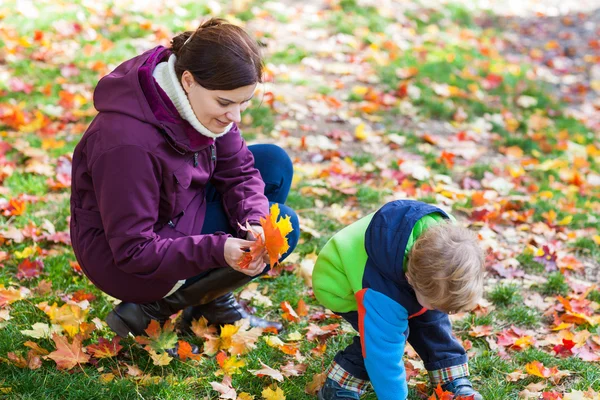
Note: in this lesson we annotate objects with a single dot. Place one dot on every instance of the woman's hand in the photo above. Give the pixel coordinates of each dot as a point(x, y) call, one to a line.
point(250, 236)
point(234, 250)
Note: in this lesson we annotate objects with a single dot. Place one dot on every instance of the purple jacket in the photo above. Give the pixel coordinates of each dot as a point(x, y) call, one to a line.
point(138, 189)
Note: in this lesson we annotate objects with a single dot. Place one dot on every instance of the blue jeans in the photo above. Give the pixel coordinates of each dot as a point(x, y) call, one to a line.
point(276, 170)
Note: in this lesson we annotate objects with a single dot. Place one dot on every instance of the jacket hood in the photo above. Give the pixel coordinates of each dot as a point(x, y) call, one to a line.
point(121, 92)
point(388, 233)
point(131, 91)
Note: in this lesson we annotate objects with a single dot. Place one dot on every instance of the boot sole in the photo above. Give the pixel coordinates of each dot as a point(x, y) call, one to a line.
point(117, 324)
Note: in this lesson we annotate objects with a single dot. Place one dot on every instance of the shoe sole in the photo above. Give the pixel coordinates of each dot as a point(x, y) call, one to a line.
point(117, 324)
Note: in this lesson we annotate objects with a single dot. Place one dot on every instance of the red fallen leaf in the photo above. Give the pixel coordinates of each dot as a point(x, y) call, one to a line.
point(76, 267)
point(68, 355)
point(492, 81)
point(564, 349)
point(81, 295)
point(289, 314)
point(29, 269)
point(446, 158)
point(105, 348)
point(551, 396)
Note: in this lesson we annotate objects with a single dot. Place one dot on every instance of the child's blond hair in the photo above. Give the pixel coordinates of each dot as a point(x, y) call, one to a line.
point(445, 265)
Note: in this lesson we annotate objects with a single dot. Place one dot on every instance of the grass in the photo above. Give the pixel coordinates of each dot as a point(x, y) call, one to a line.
point(504, 295)
point(520, 315)
point(556, 285)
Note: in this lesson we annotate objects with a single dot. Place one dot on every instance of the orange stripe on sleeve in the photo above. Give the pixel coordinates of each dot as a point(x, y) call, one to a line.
point(361, 318)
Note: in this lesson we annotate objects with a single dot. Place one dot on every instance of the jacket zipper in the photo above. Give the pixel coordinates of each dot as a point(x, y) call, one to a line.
point(195, 159)
point(213, 153)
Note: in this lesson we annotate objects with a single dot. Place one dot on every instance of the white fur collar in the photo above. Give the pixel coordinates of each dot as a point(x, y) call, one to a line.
point(165, 75)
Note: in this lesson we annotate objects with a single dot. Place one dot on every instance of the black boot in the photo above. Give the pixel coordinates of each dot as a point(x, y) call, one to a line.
point(221, 311)
point(134, 318)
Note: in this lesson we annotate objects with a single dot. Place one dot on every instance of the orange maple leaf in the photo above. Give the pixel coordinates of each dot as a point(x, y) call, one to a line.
point(441, 394)
point(275, 241)
point(302, 308)
point(68, 355)
point(289, 313)
point(275, 234)
point(253, 251)
point(184, 351)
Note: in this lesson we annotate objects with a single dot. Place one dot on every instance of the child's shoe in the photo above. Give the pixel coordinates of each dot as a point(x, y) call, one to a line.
point(332, 390)
point(462, 387)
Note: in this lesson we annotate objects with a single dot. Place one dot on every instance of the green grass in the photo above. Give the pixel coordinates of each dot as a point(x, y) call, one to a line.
point(291, 55)
point(556, 285)
point(504, 295)
point(520, 315)
point(588, 247)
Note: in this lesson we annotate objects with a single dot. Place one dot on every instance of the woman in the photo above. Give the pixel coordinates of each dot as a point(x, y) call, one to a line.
point(162, 178)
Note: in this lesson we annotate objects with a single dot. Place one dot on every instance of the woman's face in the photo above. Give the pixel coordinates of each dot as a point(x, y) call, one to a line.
point(215, 109)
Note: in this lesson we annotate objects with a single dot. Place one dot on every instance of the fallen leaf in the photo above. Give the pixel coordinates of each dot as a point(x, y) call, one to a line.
point(105, 348)
point(273, 393)
point(67, 355)
point(267, 371)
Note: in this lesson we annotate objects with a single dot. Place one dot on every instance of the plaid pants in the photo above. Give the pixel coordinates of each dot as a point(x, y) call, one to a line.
point(444, 360)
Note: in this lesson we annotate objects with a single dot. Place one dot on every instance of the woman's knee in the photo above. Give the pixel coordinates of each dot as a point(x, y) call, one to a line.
point(268, 155)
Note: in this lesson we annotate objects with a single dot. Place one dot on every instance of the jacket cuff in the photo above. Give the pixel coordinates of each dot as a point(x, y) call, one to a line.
point(219, 248)
point(445, 375)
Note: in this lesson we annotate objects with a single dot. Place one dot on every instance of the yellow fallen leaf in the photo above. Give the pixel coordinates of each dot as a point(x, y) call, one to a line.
point(360, 133)
point(270, 394)
point(566, 220)
point(360, 90)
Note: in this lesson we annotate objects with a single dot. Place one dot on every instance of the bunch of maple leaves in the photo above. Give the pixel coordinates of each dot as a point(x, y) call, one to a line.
point(275, 241)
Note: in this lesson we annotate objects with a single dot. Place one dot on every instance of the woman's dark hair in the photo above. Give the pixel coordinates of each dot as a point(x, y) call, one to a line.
point(220, 56)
